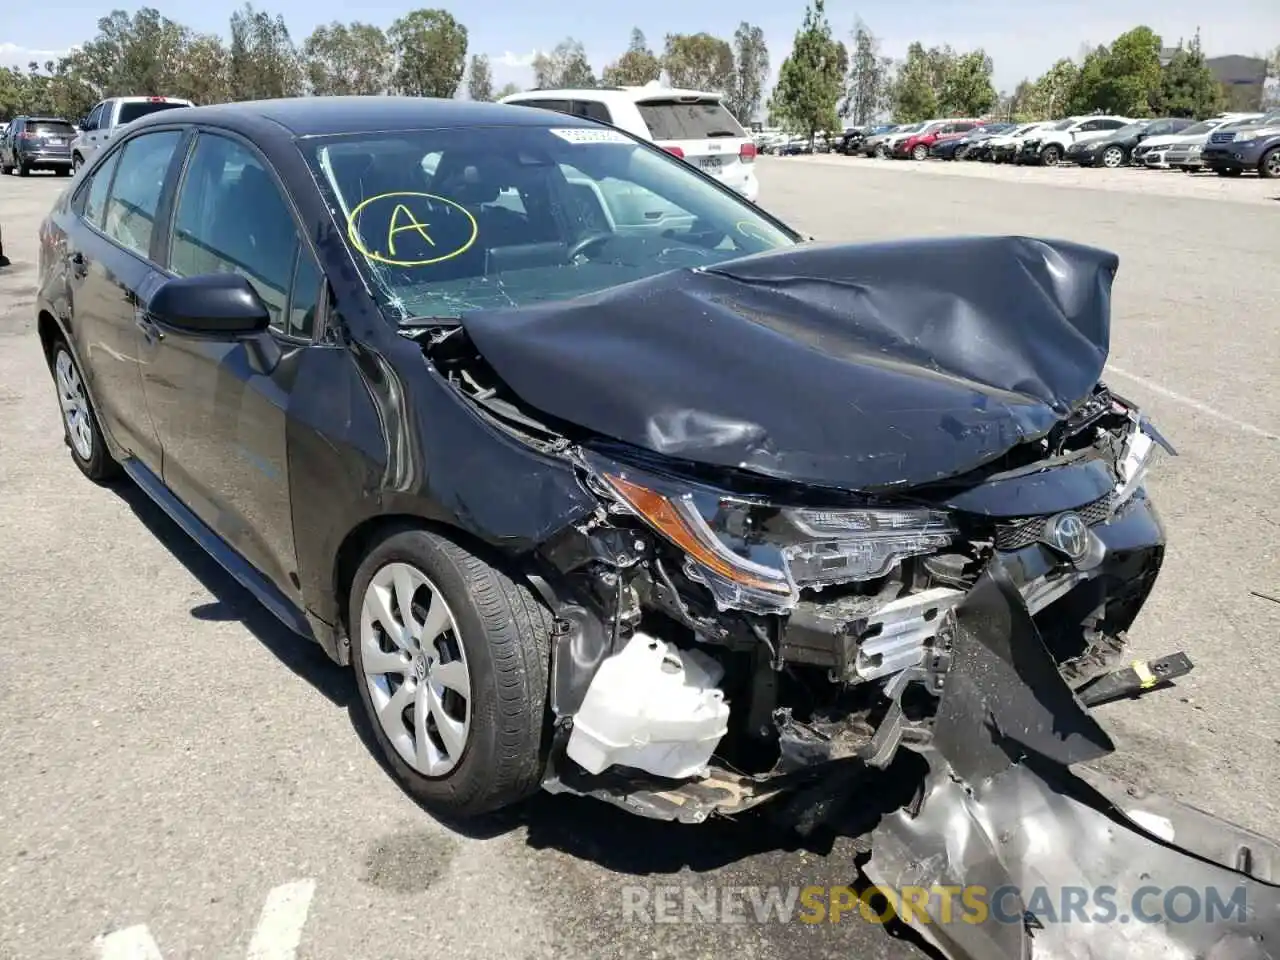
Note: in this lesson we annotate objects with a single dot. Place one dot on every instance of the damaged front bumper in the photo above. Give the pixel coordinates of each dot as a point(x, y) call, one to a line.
point(1046, 861)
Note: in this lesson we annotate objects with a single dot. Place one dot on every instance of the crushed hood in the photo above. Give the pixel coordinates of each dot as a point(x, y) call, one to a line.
point(853, 366)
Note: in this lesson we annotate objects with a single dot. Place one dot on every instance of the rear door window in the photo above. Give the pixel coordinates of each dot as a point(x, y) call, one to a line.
point(674, 119)
point(135, 194)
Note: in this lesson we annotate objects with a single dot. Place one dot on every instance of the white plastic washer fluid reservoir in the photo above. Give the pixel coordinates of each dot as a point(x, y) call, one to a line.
point(652, 707)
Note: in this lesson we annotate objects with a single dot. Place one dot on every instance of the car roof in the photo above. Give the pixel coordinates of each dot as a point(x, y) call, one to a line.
point(327, 116)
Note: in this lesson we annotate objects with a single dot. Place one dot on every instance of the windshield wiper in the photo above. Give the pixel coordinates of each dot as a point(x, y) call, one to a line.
point(720, 133)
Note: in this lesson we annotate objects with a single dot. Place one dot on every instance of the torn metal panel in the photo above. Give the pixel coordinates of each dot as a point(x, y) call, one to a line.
point(912, 361)
point(1049, 843)
point(1004, 697)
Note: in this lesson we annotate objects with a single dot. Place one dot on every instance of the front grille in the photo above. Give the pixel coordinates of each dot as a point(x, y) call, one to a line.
point(1016, 534)
point(1221, 137)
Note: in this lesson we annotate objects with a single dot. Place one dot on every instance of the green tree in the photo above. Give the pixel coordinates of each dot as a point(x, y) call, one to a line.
point(750, 72)
point(966, 86)
point(565, 67)
point(204, 75)
point(430, 52)
point(263, 62)
point(1126, 79)
point(698, 61)
point(130, 55)
point(914, 94)
point(1188, 87)
point(507, 90)
point(347, 60)
point(638, 66)
point(1085, 93)
point(1050, 97)
point(869, 77)
point(480, 78)
point(812, 78)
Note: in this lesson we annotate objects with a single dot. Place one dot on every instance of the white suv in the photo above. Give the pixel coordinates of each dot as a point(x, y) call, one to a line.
point(692, 125)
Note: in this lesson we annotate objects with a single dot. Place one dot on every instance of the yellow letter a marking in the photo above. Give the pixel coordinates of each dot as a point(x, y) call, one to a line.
point(396, 226)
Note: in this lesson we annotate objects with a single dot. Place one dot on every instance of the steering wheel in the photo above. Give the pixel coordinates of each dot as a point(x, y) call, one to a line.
point(587, 242)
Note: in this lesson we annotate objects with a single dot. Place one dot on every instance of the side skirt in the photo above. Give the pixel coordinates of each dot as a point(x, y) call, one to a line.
point(244, 573)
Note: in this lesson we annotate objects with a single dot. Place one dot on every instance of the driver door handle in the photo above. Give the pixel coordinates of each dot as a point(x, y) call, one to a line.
point(151, 331)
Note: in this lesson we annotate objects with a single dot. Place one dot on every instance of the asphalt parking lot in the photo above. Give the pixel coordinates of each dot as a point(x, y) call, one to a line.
point(172, 758)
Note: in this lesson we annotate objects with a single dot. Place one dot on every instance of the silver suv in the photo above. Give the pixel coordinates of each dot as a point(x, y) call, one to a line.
point(106, 117)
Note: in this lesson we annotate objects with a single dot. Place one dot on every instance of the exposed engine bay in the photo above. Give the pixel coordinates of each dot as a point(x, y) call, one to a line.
point(868, 530)
point(713, 643)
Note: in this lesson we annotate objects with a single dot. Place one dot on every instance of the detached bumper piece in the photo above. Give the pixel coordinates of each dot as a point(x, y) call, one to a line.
point(1008, 854)
point(1132, 681)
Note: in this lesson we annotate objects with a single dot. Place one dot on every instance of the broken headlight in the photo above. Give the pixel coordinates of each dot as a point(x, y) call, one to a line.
point(758, 556)
point(1143, 446)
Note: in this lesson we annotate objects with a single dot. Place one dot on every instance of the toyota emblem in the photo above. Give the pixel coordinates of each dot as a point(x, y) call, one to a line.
point(1068, 534)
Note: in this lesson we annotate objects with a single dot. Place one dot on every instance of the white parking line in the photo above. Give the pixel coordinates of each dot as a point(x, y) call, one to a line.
point(276, 937)
point(131, 943)
point(281, 922)
point(1194, 404)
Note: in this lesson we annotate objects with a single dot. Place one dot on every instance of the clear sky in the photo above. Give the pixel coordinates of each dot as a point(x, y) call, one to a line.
point(1022, 36)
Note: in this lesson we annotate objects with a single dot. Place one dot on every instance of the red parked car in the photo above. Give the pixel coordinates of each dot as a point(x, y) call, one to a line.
point(916, 146)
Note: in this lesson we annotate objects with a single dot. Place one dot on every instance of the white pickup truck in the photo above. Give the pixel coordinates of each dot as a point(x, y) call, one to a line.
point(107, 116)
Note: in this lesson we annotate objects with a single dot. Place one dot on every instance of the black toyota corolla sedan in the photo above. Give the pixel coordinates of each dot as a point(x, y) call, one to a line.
point(599, 476)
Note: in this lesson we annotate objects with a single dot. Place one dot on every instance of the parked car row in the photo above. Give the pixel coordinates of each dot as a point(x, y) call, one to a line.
point(30, 143)
point(1229, 144)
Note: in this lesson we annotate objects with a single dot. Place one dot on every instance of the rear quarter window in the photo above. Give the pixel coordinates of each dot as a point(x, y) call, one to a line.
point(685, 120)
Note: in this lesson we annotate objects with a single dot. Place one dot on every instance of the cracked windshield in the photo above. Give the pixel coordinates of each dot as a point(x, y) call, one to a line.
point(476, 218)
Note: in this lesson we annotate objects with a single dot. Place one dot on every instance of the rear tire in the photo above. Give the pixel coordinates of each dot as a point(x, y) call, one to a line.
point(499, 633)
point(80, 427)
point(1269, 165)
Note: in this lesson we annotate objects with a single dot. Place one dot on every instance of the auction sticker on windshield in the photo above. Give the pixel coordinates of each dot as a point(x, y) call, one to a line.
point(407, 229)
point(588, 135)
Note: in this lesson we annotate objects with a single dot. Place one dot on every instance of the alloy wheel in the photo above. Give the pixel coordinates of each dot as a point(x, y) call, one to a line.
point(75, 405)
point(1271, 164)
point(1112, 157)
point(415, 667)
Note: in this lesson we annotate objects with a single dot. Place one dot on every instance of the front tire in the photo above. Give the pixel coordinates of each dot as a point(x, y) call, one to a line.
point(1050, 156)
point(1113, 158)
point(23, 169)
point(80, 427)
point(920, 152)
point(456, 687)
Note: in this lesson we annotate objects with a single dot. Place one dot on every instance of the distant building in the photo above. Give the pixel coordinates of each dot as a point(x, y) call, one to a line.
point(1243, 78)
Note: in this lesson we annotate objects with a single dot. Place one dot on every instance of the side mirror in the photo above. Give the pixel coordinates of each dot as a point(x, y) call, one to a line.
point(219, 305)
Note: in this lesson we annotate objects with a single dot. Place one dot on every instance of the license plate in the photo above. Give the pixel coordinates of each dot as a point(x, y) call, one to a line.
point(710, 164)
point(53, 142)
